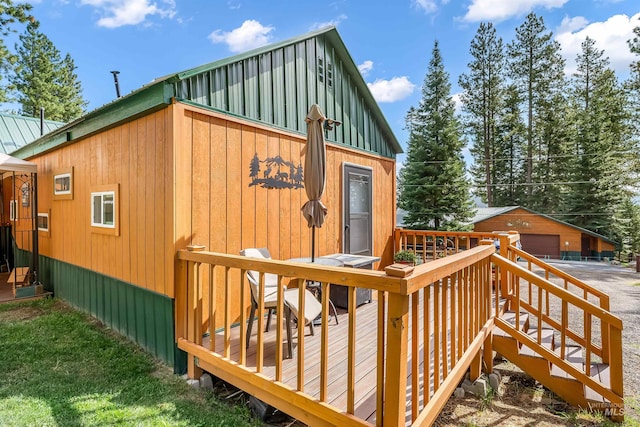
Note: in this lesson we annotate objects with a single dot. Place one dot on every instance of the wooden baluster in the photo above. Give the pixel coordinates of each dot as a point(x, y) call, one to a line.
point(351, 357)
point(415, 359)
point(213, 309)
point(380, 368)
point(587, 339)
point(539, 315)
point(604, 330)
point(279, 319)
point(615, 358)
point(301, 327)
point(324, 343)
point(396, 362)
point(260, 340)
point(444, 329)
point(564, 319)
point(453, 316)
point(426, 296)
point(243, 316)
point(436, 335)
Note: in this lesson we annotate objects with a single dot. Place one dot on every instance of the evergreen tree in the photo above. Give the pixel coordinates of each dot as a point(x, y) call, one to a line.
point(434, 189)
point(601, 145)
point(509, 190)
point(10, 13)
point(536, 67)
point(481, 100)
point(44, 79)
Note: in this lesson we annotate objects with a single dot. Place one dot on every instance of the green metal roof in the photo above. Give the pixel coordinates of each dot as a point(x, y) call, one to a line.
point(275, 84)
point(18, 131)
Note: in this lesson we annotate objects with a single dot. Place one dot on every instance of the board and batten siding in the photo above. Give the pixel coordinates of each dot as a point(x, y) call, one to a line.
point(216, 207)
point(137, 157)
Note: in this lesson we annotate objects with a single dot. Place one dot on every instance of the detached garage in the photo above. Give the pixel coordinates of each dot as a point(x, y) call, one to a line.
point(544, 236)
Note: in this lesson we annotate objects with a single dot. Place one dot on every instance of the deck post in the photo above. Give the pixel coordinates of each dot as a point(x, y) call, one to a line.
point(194, 311)
point(395, 388)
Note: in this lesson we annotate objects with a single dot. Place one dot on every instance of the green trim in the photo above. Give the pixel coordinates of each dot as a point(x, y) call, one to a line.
point(147, 99)
point(143, 316)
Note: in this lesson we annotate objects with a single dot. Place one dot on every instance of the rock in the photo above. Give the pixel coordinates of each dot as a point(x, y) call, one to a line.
point(459, 393)
point(468, 386)
point(206, 381)
point(194, 383)
point(481, 387)
point(494, 381)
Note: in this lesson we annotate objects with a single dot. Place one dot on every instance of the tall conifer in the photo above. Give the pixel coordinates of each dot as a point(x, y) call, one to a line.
point(434, 188)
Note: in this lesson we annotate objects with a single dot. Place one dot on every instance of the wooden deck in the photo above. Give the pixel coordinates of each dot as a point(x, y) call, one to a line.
point(6, 291)
point(366, 358)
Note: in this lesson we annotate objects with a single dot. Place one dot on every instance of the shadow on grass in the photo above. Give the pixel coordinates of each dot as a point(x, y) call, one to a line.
point(60, 367)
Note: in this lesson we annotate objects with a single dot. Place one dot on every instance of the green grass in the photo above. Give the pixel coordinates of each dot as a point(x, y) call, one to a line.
point(59, 367)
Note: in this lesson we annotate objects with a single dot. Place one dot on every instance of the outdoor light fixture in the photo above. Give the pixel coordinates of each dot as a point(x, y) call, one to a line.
point(330, 123)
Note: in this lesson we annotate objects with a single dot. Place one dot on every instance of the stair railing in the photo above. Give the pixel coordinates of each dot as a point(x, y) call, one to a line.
point(609, 349)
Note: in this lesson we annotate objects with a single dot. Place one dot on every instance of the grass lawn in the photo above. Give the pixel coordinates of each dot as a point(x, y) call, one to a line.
point(59, 367)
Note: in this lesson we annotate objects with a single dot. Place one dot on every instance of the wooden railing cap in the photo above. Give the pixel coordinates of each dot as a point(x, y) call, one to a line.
point(399, 270)
point(196, 248)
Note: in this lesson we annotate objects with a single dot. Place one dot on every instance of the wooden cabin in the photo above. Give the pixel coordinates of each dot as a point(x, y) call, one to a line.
point(150, 199)
point(544, 236)
point(210, 156)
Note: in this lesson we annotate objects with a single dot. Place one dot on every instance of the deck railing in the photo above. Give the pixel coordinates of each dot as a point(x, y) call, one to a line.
point(429, 329)
point(432, 324)
point(574, 321)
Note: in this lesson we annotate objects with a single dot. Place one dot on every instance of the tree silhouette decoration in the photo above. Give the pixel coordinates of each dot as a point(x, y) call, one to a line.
point(277, 174)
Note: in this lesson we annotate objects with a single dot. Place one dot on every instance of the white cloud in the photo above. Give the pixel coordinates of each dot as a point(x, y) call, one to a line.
point(610, 36)
point(391, 90)
point(458, 102)
point(118, 13)
point(333, 23)
point(250, 35)
point(365, 67)
point(428, 6)
point(499, 10)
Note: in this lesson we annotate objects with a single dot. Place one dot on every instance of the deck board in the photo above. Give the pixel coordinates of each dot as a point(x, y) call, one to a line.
point(365, 359)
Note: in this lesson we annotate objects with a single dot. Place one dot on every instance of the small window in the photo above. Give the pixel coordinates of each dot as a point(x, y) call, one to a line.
point(43, 222)
point(63, 184)
point(329, 74)
point(103, 209)
point(13, 210)
point(320, 70)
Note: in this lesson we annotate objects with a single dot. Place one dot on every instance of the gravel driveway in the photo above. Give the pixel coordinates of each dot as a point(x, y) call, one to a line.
point(622, 284)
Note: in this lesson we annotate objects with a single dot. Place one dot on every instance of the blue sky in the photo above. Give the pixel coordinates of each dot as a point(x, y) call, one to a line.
point(390, 41)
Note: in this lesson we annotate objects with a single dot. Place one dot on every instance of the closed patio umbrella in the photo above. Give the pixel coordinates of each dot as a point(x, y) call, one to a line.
point(315, 164)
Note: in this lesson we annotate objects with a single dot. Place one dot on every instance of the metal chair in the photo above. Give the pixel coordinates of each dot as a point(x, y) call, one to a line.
point(312, 306)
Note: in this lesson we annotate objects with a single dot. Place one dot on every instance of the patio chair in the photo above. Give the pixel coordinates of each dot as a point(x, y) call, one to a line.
point(312, 306)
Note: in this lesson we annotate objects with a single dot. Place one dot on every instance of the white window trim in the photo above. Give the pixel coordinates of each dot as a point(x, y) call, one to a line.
point(59, 176)
point(44, 215)
point(101, 194)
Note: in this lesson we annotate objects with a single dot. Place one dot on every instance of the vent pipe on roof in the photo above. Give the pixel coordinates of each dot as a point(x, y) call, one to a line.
point(41, 121)
point(115, 81)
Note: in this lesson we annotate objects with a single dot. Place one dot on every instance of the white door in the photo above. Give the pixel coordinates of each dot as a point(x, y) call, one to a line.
point(357, 210)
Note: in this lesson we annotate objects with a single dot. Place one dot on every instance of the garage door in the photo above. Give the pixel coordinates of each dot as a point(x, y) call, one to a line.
point(541, 245)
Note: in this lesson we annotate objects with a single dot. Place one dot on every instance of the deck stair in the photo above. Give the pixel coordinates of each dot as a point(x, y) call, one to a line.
point(532, 358)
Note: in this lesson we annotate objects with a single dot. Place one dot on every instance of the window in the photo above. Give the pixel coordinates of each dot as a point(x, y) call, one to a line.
point(63, 184)
point(102, 209)
point(13, 210)
point(43, 222)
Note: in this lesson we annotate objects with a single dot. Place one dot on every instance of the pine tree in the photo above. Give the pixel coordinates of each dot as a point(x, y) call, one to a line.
point(10, 13)
point(481, 100)
point(510, 137)
point(601, 144)
point(536, 67)
point(434, 189)
point(44, 80)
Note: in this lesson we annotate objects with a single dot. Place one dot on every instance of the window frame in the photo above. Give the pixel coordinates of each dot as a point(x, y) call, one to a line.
point(63, 194)
point(44, 215)
point(101, 227)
